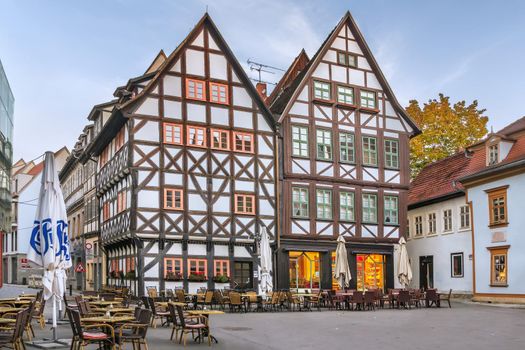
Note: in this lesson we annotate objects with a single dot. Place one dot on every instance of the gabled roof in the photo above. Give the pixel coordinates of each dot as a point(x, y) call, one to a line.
point(282, 104)
point(157, 62)
point(299, 64)
point(118, 118)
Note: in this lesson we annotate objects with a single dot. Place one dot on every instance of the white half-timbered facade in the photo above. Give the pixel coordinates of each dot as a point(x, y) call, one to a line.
point(186, 171)
point(345, 163)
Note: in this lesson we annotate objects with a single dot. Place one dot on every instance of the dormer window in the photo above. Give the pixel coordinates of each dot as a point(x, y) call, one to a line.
point(493, 154)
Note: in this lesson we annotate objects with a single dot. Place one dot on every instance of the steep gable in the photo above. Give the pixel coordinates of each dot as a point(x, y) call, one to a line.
point(347, 39)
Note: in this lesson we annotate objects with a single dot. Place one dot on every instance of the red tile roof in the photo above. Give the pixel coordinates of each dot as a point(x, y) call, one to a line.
point(440, 179)
point(36, 169)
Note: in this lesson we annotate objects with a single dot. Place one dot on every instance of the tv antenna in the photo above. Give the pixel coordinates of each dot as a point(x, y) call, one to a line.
point(259, 67)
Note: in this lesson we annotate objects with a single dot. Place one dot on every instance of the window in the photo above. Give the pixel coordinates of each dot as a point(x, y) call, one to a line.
point(369, 208)
point(324, 144)
point(173, 198)
point(391, 210)
point(498, 271)
point(120, 138)
point(220, 139)
point(391, 154)
point(243, 142)
point(299, 141)
point(408, 227)
point(431, 223)
point(368, 99)
point(130, 264)
point(346, 147)
point(245, 204)
point(419, 225)
point(324, 204)
point(243, 274)
point(121, 201)
point(219, 93)
point(173, 134)
point(221, 267)
point(447, 220)
point(173, 268)
point(322, 90)
point(345, 95)
point(347, 59)
point(105, 213)
point(346, 206)
point(498, 206)
point(456, 265)
point(369, 150)
point(197, 267)
point(464, 217)
point(195, 89)
point(493, 154)
point(300, 202)
point(196, 136)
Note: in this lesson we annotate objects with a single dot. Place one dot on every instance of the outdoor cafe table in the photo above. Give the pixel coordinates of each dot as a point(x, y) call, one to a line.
point(107, 320)
point(114, 310)
point(165, 303)
point(104, 303)
point(16, 302)
point(206, 313)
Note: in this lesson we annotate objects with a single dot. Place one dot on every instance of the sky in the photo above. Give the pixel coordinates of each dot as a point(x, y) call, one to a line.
point(62, 57)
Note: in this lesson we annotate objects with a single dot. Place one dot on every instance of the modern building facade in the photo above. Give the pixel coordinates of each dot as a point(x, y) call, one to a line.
point(495, 188)
point(344, 165)
point(7, 105)
point(439, 239)
point(186, 171)
point(25, 187)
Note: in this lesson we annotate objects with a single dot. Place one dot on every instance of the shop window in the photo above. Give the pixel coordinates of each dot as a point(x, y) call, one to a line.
point(456, 263)
point(498, 270)
point(370, 271)
point(305, 270)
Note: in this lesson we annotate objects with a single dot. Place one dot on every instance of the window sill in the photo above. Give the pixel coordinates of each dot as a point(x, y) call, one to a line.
point(434, 234)
point(300, 157)
point(447, 232)
point(499, 285)
point(369, 223)
point(419, 237)
point(325, 220)
point(370, 166)
point(502, 224)
point(345, 105)
point(457, 276)
point(391, 168)
point(324, 160)
point(301, 217)
point(389, 224)
point(324, 102)
point(464, 229)
point(370, 110)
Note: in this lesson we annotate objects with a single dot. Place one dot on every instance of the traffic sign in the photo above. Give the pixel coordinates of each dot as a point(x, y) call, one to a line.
point(89, 245)
point(79, 268)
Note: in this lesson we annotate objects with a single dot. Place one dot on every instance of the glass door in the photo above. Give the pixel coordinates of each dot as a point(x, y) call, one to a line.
point(305, 270)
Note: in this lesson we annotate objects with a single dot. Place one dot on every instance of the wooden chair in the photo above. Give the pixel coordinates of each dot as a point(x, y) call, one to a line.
point(185, 327)
point(134, 332)
point(293, 302)
point(208, 299)
point(359, 300)
point(157, 313)
point(12, 335)
point(315, 301)
point(446, 297)
point(236, 302)
point(220, 299)
point(370, 299)
point(403, 299)
point(38, 314)
point(90, 334)
point(432, 297)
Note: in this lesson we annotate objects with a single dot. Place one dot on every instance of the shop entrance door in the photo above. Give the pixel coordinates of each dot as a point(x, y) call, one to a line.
point(426, 272)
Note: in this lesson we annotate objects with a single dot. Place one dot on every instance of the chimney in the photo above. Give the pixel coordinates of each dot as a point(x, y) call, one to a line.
point(261, 89)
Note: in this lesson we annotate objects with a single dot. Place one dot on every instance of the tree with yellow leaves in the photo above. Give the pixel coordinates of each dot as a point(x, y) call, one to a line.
point(445, 128)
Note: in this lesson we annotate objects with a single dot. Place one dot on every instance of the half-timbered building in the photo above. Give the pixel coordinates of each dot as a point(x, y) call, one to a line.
point(186, 171)
point(344, 146)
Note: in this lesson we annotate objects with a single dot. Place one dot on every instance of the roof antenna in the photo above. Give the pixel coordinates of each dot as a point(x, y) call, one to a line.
point(259, 67)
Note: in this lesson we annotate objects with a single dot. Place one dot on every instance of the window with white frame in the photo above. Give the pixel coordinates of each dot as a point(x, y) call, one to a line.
point(300, 141)
point(391, 210)
point(493, 154)
point(369, 208)
point(447, 220)
point(464, 217)
point(419, 225)
point(431, 223)
point(322, 90)
point(346, 206)
point(324, 144)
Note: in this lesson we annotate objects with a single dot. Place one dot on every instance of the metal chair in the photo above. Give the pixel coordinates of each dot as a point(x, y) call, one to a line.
point(82, 334)
point(134, 332)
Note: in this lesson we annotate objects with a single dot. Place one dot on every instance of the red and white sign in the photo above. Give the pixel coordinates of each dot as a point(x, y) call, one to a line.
point(79, 268)
point(89, 246)
point(23, 260)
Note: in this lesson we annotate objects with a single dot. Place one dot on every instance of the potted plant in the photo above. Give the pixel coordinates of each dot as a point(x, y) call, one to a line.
point(221, 278)
point(130, 275)
point(173, 276)
point(197, 277)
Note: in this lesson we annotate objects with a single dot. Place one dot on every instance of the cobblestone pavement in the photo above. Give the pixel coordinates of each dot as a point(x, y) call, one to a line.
point(465, 326)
